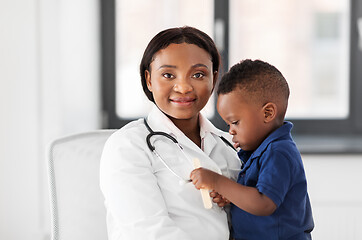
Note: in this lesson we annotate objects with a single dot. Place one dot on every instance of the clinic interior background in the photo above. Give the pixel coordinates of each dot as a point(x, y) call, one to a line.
point(52, 69)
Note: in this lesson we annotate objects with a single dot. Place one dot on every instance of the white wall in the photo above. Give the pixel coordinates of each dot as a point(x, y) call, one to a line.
point(334, 184)
point(49, 87)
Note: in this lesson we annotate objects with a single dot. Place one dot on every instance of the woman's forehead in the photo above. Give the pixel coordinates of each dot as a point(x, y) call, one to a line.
point(183, 53)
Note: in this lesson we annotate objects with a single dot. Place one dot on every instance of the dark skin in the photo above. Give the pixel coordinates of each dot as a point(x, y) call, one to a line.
point(190, 128)
point(220, 200)
point(250, 123)
point(247, 198)
point(181, 80)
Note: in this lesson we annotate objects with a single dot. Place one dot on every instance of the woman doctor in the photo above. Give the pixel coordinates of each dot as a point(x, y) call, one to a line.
point(143, 197)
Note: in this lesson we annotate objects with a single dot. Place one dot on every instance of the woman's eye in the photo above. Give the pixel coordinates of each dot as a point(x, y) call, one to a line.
point(167, 75)
point(198, 75)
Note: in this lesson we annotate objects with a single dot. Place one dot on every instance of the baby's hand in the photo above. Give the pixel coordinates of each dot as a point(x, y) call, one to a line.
point(219, 199)
point(203, 178)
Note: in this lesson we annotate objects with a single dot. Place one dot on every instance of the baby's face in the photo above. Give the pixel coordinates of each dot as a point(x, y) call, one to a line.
point(244, 118)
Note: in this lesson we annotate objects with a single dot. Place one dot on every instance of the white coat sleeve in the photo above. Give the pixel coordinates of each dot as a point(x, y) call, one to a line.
point(135, 206)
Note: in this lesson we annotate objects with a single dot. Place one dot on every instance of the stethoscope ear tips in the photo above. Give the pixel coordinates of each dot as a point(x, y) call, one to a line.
point(183, 182)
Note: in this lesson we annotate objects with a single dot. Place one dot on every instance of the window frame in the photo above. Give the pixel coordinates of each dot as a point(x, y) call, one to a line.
point(342, 127)
point(305, 131)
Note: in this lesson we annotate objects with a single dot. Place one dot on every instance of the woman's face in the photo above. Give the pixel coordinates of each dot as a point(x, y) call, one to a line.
point(181, 80)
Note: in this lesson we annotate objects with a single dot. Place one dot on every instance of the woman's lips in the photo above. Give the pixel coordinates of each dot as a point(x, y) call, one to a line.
point(187, 101)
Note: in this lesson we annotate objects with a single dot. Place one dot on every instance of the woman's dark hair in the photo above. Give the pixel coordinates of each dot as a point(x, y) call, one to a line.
point(179, 35)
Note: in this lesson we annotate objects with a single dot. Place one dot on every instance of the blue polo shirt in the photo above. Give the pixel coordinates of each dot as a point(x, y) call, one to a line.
point(276, 169)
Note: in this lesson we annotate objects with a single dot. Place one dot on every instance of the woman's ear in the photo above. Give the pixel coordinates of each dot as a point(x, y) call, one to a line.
point(148, 80)
point(270, 111)
point(215, 75)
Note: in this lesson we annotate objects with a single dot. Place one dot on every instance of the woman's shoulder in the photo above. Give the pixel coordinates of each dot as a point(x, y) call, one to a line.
point(132, 131)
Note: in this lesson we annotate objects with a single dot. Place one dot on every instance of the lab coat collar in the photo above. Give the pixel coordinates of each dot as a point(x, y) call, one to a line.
point(206, 131)
point(207, 127)
point(160, 122)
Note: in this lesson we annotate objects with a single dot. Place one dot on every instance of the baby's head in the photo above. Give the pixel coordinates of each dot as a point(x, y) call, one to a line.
point(254, 93)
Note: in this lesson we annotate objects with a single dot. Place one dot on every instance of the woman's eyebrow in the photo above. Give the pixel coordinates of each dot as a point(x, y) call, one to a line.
point(193, 66)
point(199, 65)
point(167, 66)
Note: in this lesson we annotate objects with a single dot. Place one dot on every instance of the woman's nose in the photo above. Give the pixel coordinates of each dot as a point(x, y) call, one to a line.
point(183, 86)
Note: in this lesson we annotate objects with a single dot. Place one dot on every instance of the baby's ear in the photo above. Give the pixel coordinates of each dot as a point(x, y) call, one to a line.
point(148, 80)
point(270, 111)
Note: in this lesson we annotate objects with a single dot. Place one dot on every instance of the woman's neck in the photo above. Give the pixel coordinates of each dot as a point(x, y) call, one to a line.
point(190, 127)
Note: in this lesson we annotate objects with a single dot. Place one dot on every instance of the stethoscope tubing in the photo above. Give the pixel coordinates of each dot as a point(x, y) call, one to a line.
point(153, 149)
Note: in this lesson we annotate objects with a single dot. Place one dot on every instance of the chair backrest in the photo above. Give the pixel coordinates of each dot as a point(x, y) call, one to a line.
point(77, 204)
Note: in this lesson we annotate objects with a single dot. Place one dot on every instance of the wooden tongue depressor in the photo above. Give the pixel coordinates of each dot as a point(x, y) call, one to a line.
point(204, 192)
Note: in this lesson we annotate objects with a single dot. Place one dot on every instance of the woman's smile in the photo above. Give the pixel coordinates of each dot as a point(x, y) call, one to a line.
point(183, 101)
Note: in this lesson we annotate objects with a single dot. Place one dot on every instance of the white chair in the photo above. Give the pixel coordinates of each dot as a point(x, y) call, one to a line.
point(77, 204)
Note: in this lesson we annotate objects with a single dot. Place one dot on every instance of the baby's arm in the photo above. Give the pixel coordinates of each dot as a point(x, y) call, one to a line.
point(247, 198)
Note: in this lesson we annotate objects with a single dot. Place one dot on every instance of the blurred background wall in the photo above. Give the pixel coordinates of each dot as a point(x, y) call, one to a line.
point(49, 87)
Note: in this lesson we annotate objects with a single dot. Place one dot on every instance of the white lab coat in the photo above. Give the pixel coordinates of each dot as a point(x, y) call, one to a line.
point(144, 200)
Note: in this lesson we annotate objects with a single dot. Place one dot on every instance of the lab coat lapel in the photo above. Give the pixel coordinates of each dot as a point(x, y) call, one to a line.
point(206, 132)
point(209, 143)
point(193, 151)
point(158, 121)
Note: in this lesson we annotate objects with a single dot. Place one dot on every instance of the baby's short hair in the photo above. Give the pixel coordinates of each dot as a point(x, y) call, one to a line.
point(261, 81)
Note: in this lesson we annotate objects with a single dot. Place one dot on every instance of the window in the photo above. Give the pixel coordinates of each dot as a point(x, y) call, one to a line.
point(137, 21)
point(314, 43)
point(308, 41)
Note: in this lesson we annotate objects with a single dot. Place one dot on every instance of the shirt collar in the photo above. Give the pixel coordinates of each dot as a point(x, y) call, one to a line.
point(282, 132)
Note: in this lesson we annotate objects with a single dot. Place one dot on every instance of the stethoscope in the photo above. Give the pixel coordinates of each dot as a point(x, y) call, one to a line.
point(153, 149)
